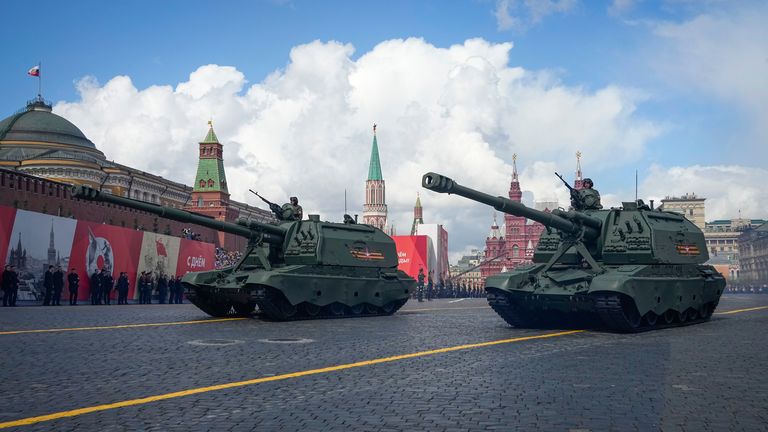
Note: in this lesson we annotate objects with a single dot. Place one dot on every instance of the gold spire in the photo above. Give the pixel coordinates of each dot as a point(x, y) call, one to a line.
point(374, 128)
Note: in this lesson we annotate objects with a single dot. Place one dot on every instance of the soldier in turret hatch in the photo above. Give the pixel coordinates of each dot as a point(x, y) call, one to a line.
point(586, 198)
point(298, 212)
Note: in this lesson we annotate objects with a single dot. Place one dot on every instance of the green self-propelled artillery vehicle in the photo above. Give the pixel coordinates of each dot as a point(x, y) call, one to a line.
point(630, 269)
point(292, 269)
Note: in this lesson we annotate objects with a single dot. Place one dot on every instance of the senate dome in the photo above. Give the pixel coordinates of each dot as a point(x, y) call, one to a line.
point(38, 124)
point(36, 133)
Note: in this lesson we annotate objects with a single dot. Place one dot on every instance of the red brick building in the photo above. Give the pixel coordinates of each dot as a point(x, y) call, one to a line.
point(513, 244)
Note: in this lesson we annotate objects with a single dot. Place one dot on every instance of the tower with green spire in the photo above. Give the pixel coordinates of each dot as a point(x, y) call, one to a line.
point(375, 207)
point(210, 195)
point(210, 168)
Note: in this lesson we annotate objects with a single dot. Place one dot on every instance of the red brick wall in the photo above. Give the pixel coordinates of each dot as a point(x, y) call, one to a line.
point(26, 192)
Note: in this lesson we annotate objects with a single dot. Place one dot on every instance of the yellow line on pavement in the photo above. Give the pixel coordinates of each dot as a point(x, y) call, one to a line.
point(12, 332)
point(448, 308)
point(741, 310)
point(146, 400)
point(121, 326)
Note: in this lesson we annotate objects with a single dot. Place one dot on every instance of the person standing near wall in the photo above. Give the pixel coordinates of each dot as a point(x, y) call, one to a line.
point(122, 288)
point(74, 283)
point(48, 286)
point(107, 283)
point(162, 288)
point(6, 285)
point(95, 282)
point(58, 286)
point(10, 286)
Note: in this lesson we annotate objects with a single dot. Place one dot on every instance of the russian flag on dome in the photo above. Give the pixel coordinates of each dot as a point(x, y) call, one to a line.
point(34, 71)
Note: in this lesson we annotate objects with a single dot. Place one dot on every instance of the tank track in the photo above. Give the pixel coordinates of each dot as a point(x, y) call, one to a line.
point(274, 306)
point(618, 313)
point(509, 311)
point(611, 311)
point(306, 311)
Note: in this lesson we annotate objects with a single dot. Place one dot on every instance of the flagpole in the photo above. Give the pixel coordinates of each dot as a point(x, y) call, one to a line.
point(40, 80)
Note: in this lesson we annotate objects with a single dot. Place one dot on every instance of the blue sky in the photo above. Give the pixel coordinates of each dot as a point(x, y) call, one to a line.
point(687, 78)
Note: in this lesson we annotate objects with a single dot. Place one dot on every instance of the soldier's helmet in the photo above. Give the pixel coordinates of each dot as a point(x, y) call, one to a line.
point(588, 181)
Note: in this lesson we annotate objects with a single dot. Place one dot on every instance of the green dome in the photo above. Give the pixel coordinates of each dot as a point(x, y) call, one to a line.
point(38, 124)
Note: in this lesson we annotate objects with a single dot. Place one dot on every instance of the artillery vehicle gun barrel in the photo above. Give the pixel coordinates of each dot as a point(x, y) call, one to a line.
point(271, 233)
point(560, 220)
point(631, 268)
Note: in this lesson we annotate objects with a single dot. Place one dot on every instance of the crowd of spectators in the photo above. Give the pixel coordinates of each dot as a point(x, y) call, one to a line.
point(448, 289)
point(226, 258)
point(747, 288)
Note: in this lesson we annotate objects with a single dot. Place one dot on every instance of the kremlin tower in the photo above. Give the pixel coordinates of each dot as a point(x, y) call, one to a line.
point(418, 218)
point(210, 195)
point(578, 184)
point(375, 207)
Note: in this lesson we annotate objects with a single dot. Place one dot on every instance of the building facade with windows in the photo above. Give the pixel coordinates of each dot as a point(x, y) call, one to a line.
point(36, 143)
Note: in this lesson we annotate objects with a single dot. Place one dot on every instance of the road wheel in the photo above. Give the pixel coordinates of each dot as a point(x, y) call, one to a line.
point(388, 308)
point(311, 310)
point(651, 318)
point(336, 309)
point(669, 316)
point(287, 310)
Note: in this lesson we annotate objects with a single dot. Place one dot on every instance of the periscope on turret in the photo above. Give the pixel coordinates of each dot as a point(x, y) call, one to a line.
point(629, 269)
point(292, 269)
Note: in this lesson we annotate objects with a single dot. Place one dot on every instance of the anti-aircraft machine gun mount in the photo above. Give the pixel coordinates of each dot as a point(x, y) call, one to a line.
point(294, 269)
point(628, 269)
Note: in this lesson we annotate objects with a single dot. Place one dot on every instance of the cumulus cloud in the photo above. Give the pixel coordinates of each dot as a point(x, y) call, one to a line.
point(728, 189)
point(521, 14)
point(621, 7)
point(305, 129)
point(720, 54)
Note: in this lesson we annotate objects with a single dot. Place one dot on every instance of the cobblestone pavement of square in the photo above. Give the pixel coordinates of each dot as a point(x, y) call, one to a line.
point(707, 377)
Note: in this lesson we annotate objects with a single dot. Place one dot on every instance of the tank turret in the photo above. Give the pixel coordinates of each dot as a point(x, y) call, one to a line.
point(294, 268)
point(631, 268)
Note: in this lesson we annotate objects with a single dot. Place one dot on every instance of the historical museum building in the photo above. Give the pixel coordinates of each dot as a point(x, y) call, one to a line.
point(514, 243)
point(36, 144)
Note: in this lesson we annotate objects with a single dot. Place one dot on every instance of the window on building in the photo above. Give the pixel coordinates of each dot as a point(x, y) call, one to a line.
point(202, 183)
point(515, 250)
point(200, 202)
point(210, 183)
